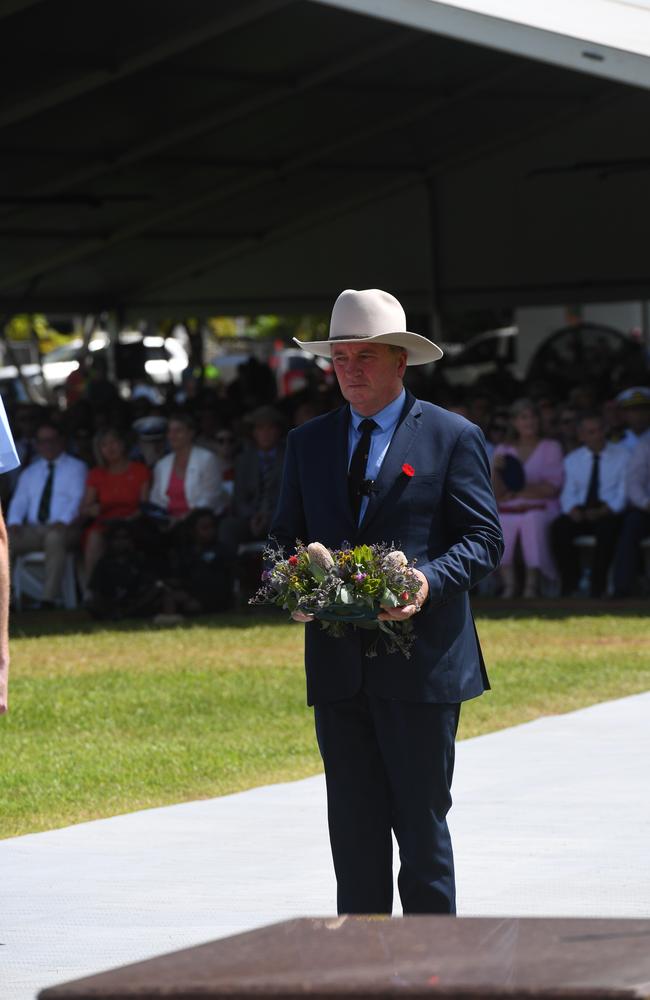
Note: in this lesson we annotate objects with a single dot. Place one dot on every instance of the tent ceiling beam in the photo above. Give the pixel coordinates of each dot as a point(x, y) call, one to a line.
point(9, 7)
point(109, 163)
point(254, 180)
point(305, 223)
point(170, 45)
point(426, 171)
point(587, 289)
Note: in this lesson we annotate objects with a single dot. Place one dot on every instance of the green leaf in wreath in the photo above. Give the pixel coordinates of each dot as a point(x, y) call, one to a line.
point(388, 599)
point(317, 571)
point(363, 554)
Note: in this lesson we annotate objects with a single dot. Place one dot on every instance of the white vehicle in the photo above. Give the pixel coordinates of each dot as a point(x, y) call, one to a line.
point(481, 356)
point(165, 359)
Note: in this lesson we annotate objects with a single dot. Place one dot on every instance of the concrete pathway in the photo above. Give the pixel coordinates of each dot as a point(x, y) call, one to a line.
point(551, 818)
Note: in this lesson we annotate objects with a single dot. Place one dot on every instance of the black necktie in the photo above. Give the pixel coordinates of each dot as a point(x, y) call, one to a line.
point(357, 470)
point(592, 499)
point(45, 502)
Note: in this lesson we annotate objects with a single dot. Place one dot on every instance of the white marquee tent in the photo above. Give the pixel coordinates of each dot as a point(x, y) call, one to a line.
point(258, 155)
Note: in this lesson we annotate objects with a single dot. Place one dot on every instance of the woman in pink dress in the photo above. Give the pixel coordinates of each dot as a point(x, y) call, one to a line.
point(526, 513)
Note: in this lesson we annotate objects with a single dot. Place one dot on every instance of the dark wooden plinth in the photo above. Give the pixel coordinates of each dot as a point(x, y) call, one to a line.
point(416, 956)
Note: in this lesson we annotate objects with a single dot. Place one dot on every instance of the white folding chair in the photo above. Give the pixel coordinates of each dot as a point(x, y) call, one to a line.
point(28, 579)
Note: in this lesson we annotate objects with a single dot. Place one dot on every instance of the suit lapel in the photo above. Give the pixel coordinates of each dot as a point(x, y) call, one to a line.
point(397, 454)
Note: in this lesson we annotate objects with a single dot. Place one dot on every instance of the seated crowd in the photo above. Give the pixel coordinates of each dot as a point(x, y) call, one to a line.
point(584, 481)
point(158, 504)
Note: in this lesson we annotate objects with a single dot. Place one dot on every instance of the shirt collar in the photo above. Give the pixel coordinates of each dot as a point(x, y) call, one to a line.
point(386, 418)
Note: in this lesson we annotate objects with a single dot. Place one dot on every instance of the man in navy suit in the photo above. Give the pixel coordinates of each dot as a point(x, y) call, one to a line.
point(390, 468)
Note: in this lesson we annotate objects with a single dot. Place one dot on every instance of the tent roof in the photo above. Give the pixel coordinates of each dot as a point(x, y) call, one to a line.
point(608, 38)
point(261, 155)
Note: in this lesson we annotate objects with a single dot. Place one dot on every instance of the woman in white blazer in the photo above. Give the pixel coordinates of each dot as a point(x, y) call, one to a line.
point(189, 477)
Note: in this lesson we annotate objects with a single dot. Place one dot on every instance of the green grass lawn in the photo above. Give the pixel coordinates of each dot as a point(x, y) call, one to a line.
point(104, 721)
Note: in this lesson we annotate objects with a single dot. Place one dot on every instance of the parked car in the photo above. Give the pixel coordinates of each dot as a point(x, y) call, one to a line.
point(481, 357)
point(164, 361)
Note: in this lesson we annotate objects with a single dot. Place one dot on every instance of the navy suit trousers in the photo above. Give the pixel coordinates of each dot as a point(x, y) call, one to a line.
point(389, 766)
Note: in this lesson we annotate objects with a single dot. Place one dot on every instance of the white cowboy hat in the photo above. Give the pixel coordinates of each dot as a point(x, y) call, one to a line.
point(372, 315)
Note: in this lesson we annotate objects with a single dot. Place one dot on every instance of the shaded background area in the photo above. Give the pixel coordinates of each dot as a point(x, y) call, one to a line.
point(258, 155)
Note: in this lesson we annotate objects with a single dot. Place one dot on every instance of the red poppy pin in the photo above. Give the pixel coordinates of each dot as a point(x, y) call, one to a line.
point(408, 470)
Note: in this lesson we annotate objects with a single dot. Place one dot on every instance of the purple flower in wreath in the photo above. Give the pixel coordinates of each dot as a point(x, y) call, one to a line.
point(360, 577)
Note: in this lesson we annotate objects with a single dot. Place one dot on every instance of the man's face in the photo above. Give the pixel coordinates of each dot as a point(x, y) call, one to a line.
point(369, 375)
point(568, 422)
point(637, 418)
point(266, 436)
point(49, 443)
point(592, 434)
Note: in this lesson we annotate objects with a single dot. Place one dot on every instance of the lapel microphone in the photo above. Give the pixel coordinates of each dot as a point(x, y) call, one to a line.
point(368, 487)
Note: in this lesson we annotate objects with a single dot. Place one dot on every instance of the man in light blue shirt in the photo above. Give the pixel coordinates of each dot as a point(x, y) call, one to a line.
point(8, 461)
point(43, 510)
point(634, 404)
point(592, 502)
point(387, 420)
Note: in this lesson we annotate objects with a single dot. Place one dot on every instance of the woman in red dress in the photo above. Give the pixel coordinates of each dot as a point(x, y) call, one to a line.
point(114, 491)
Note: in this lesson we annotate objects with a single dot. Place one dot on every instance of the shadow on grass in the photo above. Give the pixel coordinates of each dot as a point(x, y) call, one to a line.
point(34, 624)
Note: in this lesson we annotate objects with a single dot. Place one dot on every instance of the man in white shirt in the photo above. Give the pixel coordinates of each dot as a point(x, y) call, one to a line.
point(592, 501)
point(634, 404)
point(8, 461)
point(44, 508)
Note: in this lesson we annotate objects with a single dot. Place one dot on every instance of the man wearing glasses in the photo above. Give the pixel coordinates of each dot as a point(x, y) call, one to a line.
point(8, 461)
point(45, 506)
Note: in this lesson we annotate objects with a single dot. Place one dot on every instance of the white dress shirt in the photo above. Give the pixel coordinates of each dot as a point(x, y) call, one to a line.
point(68, 487)
point(630, 440)
point(387, 420)
point(638, 476)
point(614, 459)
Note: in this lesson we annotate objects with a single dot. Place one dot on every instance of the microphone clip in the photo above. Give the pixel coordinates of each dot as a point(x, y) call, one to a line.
point(367, 488)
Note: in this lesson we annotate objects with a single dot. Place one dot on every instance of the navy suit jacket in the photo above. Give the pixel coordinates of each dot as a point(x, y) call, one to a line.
point(444, 517)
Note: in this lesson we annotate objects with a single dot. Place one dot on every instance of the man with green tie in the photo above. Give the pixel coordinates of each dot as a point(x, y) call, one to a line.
point(44, 508)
